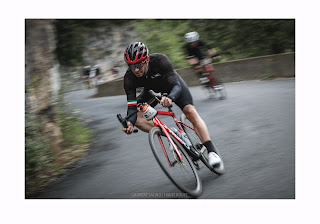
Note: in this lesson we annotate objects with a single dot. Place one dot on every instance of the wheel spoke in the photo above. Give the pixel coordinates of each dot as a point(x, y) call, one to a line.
point(181, 172)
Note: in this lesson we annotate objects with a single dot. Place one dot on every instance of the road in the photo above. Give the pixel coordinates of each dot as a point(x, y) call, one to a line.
point(254, 128)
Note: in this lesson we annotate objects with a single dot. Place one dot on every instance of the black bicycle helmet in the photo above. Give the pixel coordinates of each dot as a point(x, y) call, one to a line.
point(135, 53)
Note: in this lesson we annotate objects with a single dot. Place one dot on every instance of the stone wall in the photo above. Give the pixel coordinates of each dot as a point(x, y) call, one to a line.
point(104, 46)
point(42, 79)
point(280, 65)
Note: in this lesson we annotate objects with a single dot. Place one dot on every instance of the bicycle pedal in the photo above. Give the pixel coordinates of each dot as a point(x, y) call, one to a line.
point(202, 149)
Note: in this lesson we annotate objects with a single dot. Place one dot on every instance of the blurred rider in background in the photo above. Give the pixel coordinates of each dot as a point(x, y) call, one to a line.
point(85, 75)
point(156, 72)
point(194, 47)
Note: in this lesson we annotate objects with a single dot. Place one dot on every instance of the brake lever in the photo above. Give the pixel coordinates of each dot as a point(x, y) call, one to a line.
point(158, 96)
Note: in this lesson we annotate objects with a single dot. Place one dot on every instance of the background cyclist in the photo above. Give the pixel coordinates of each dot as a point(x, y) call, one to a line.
point(194, 48)
point(156, 72)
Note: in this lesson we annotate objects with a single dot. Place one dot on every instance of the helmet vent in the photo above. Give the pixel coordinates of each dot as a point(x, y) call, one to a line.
point(136, 52)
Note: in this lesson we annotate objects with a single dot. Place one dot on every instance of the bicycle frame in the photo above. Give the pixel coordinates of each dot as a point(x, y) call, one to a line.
point(192, 150)
point(167, 131)
point(209, 71)
point(158, 123)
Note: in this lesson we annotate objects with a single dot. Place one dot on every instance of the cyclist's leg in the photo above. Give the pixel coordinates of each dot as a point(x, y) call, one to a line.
point(202, 131)
point(142, 123)
point(185, 102)
point(199, 125)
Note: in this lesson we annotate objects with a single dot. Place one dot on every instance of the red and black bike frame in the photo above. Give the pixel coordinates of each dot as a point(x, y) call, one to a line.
point(167, 131)
point(158, 123)
point(209, 72)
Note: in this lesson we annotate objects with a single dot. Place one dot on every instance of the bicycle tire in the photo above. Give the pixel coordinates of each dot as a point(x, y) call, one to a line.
point(196, 142)
point(220, 91)
point(190, 182)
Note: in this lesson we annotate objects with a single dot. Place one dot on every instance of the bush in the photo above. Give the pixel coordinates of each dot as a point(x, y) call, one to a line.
point(41, 166)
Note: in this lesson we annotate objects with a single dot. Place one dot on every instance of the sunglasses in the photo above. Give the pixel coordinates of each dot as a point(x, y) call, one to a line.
point(137, 65)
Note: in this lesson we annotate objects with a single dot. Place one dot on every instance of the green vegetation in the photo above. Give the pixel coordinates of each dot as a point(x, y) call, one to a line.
point(164, 36)
point(73, 131)
point(42, 166)
point(38, 158)
point(233, 38)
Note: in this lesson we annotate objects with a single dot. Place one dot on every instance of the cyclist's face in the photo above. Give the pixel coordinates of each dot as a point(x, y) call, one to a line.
point(194, 44)
point(140, 69)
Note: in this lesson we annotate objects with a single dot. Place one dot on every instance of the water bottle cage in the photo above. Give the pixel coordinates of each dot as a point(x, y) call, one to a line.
point(180, 135)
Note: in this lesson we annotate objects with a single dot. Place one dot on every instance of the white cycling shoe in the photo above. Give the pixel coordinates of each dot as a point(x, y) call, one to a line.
point(218, 87)
point(214, 159)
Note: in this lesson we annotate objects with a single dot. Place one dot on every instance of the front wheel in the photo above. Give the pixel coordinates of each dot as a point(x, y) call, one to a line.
point(196, 142)
point(181, 172)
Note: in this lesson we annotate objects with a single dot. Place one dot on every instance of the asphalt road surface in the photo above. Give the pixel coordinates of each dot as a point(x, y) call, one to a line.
point(254, 128)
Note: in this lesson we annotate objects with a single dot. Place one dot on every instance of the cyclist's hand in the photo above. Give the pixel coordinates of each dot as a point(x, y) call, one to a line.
point(212, 52)
point(193, 61)
point(165, 101)
point(128, 130)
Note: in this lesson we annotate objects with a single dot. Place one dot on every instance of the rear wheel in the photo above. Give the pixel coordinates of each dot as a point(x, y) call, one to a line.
point(196, 142)
point(181, 172)
point(217, 88)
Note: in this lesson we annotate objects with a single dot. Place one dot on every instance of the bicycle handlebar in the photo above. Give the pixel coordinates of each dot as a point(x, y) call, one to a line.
point(124, 122)
point(156, 96)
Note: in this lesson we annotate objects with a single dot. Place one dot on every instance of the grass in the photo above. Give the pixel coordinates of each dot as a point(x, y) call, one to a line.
point(42, 166)
point(73, 131)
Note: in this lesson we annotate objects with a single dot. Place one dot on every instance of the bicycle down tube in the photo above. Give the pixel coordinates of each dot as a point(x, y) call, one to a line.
point(179, 167)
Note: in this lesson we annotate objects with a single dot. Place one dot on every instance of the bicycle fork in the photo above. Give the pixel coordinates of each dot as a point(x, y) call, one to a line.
point(167, 133)
point(165, 152)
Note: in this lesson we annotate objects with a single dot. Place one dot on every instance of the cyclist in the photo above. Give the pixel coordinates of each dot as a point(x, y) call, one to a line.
point(85, 75)
point(156, 72)
point(194, 48)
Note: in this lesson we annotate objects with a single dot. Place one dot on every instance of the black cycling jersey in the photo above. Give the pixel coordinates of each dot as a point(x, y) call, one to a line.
point(161, 77)
point(196, 51)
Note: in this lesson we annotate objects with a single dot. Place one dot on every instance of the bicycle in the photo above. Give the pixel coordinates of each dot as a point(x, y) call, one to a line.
point(177, 152)
point(209, 79)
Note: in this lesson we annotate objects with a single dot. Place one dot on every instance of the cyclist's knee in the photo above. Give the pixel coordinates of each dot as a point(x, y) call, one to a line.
point(190, 112)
